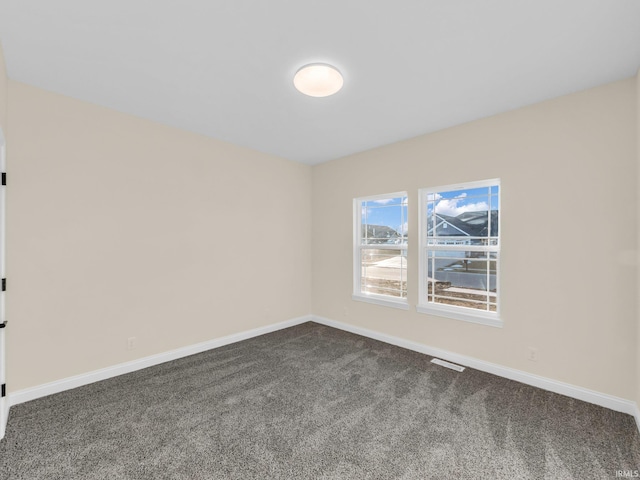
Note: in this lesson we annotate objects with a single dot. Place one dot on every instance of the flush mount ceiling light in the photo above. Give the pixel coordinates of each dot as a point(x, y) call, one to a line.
point(318, 80)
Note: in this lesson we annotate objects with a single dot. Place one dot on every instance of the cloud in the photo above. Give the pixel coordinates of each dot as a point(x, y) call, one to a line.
point(402, 229)
point(449, 206)
point(384, 201)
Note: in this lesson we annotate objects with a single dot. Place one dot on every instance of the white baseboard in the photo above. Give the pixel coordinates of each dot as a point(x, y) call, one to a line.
point(28, 394)
point(591, 396)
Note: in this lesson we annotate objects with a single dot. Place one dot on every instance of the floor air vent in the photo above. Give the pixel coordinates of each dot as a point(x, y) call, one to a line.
point(452, 366)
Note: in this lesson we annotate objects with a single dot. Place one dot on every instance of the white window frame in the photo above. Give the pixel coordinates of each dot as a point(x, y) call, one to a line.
point(358, 294)
point(453, 311)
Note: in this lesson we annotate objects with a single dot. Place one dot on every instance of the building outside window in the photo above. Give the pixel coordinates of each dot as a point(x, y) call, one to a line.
point(380, 249)
point(460, 251)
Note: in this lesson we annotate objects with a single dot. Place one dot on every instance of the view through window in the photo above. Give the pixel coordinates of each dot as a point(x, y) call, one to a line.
point(460, 248)
point(380, 252)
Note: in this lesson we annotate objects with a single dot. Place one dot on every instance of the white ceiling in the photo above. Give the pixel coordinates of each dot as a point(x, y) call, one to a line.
point(224, 68)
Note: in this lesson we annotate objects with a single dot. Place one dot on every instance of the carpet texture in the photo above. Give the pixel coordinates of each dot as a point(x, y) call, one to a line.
point(313, 402)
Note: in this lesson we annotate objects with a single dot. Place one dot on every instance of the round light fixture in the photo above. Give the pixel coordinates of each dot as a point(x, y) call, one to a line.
point(318, 80)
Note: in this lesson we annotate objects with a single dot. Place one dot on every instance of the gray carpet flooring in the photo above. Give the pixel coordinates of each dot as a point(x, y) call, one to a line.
point(313, 402)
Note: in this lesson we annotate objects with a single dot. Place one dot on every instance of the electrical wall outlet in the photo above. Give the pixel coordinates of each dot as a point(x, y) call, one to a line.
point(532, 354)
point(131, 343)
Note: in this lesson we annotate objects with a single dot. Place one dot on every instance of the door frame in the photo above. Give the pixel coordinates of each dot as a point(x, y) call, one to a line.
point(4, 399)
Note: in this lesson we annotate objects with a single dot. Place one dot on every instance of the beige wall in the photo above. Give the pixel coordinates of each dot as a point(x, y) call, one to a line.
point(119, 227)
point(3, 92)
point(569, 215)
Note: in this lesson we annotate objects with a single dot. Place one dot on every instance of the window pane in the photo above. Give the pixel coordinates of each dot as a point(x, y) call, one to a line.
point(462, 278)
point(384, 221)
point(464, 213)
point(384, 272)
point(460, 246)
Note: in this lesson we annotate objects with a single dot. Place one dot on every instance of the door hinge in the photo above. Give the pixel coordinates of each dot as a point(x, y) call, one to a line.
point(3, 324)
point(4, 284)
point(4, 178)
point(4, 390)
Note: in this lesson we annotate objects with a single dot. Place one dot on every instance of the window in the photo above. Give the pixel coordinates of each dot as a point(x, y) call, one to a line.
point(460, 252)
point(380, 250)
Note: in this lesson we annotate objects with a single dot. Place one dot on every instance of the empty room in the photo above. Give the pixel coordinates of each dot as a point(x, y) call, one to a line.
point(338, 240)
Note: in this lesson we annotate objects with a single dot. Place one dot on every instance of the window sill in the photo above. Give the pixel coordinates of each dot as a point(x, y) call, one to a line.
point(460, 313)
point(380, 300)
